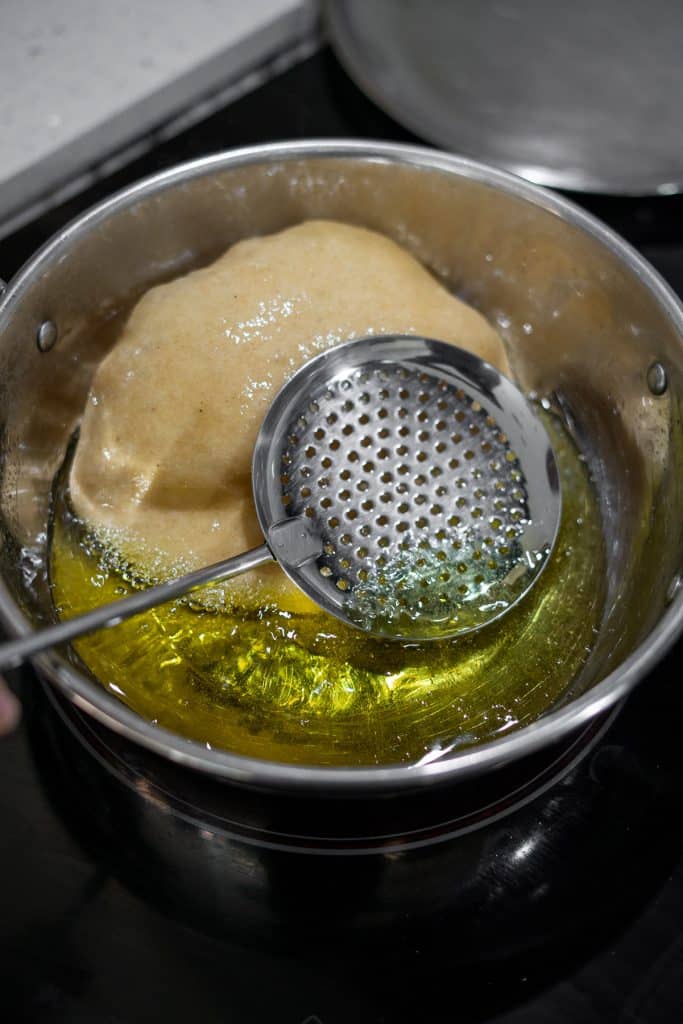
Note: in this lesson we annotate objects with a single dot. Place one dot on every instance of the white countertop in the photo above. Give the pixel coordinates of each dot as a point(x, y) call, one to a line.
point(80, 79)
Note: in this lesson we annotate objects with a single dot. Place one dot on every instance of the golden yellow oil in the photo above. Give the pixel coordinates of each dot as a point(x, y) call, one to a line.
point(302, 687)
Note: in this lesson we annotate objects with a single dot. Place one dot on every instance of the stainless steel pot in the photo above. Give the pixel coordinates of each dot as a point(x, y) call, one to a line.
point(592, 324)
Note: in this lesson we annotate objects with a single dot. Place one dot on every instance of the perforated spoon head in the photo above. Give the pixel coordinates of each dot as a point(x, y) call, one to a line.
point(427, 478)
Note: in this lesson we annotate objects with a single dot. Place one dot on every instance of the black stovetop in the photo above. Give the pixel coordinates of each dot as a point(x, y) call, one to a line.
point(77, 945)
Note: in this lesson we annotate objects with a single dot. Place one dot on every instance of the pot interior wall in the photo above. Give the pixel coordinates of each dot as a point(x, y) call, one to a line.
point(582, 329)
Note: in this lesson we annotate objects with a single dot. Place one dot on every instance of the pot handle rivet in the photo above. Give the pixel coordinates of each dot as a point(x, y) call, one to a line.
point(3, 287)
point(47, 335)
point(657, 379)
point(674, 587)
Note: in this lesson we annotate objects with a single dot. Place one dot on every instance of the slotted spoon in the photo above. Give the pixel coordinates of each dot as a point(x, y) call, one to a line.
point(402, 483)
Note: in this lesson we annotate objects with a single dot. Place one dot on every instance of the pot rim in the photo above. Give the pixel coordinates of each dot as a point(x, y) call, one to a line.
point(550, 728)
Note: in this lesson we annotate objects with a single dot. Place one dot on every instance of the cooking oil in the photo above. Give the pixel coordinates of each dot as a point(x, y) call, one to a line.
point(264, 679)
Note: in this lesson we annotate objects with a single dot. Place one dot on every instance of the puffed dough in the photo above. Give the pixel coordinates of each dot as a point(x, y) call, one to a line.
point(162, 466)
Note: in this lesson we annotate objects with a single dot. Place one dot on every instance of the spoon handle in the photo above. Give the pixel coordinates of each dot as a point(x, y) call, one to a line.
point(16, 651)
